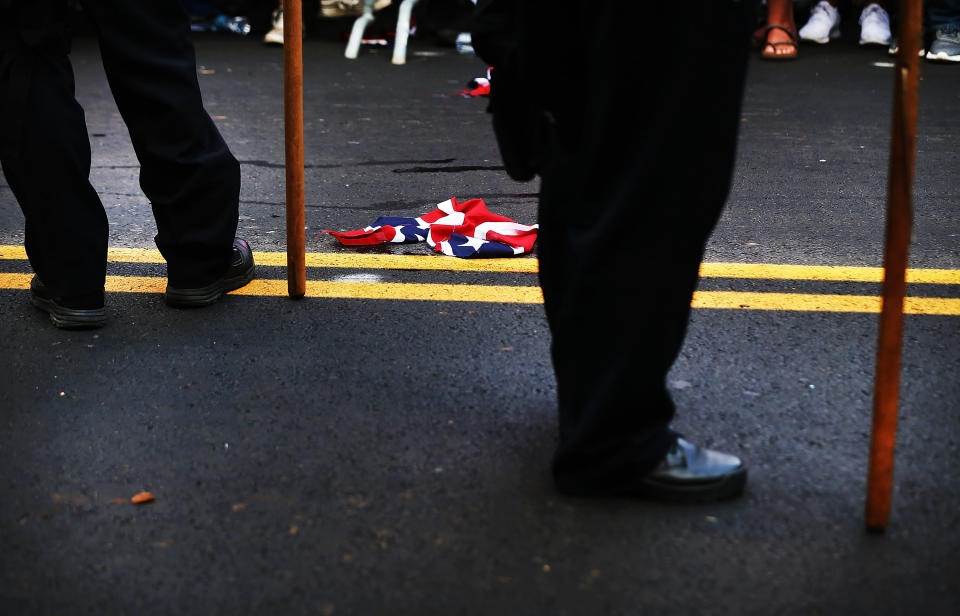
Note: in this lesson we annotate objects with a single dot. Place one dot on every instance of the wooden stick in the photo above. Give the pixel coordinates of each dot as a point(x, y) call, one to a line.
point(293, 140)
point(886, 392)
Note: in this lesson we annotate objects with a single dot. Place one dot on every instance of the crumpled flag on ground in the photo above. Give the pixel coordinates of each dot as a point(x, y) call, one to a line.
point(466, 230)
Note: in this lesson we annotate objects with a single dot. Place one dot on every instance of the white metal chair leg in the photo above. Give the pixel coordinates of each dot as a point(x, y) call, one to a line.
point(356, 34)
point(403, 32)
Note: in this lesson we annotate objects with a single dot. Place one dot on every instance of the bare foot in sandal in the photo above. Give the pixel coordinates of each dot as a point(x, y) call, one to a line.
point(781, 43)
point(780, 38)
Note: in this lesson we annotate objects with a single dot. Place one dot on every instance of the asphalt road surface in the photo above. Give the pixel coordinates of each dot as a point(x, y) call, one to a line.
point(382, 446)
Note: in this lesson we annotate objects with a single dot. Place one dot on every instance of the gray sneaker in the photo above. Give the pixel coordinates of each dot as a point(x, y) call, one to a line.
point(693, 474)
point(945, 46)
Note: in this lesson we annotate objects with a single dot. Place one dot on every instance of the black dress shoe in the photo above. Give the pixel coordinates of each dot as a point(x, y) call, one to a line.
point(239, 273)
point(79, 312)
point(691, 474)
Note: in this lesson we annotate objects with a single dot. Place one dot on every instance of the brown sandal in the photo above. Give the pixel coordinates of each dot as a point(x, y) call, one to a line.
point(772, 53)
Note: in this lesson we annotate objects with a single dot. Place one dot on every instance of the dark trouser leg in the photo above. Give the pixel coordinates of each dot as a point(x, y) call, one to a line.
point(187, 170)
point(627, 205)
point(942, 14)
point(47, 165)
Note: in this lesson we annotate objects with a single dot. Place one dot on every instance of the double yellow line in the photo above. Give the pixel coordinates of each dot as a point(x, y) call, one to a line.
point(736, 300)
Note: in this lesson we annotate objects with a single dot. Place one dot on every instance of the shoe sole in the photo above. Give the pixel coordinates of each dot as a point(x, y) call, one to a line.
point(204, 296)
point(730, 486)
point(70, 318)
point(942, 56)
point(834, 34)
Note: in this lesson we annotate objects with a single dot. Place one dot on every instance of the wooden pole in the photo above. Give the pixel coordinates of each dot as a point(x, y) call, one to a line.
point(293, 140)
point(886, 392)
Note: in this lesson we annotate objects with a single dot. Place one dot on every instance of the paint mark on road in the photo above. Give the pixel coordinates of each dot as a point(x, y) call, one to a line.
point(358, 277)
point(760, 271)
point(807, 302)
point(730, 300)
point(367, 285)
point(333, 260)
point(771, 271)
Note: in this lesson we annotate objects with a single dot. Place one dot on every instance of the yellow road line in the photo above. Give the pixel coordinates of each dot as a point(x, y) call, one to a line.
point(328, 259)
point(733, 300)
point(12, 252)
point(15, 281)
point(772, 271)
point(520, 265)
point(403, 291)
point(819, 303)
point(768, 271)
point(357, 261)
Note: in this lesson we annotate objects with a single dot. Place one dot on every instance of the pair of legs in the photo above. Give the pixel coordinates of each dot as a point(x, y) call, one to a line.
point(626, 208)
point(187, 172)
point(780, 37)
point(824, 22)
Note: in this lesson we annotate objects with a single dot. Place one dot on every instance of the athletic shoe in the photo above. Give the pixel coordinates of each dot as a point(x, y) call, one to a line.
point(686, 474)
point(874, 26)
point(275, 35)
point(946, 45)
point(693, 474)
point(823, 25)
point(239, 273)
point(80, 312)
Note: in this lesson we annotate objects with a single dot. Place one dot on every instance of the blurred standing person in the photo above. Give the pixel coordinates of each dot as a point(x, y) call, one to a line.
point(186, 169)
point(823, 24)
point(635, 165)
point(328, 8)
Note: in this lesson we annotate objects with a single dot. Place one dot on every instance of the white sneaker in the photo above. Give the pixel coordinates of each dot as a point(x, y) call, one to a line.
point(874, 26)
point(823, 25)
point(275, 35)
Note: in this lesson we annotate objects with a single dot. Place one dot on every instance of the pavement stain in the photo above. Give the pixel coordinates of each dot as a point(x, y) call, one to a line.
point(384, 537)
point(81, 503)
point(69, 499)
point(358, 501)
point(589, 579)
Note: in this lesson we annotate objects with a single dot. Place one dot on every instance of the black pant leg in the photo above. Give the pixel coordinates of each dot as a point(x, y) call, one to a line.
point(628, 201)
point(46, 154)
point(187, 170)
